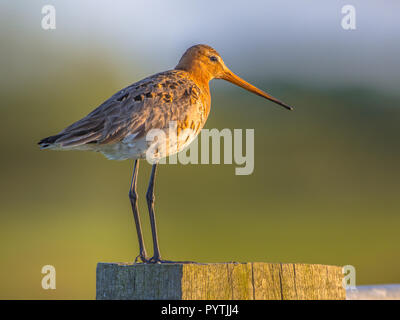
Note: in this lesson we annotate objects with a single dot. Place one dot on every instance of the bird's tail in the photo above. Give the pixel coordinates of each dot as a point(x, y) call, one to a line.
point(48, 143)
point(69, 140)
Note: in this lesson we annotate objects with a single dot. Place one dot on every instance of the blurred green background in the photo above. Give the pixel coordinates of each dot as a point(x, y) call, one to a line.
point(325, 188)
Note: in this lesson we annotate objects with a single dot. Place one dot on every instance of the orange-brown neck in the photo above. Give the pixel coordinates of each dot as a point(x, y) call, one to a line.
point(197, 72)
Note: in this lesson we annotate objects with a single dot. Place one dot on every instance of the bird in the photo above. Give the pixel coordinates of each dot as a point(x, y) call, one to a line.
point(118, 127)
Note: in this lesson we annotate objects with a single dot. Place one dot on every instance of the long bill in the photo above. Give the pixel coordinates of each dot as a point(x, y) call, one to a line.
point(233, 78)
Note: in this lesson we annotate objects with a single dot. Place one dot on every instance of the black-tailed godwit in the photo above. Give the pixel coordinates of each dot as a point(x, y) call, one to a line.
point(118, 127)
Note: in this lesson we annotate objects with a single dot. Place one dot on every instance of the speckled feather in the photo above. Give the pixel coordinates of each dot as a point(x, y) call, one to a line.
point(148, 104)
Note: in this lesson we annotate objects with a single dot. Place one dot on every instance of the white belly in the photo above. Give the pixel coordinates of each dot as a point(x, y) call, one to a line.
point(153, 147)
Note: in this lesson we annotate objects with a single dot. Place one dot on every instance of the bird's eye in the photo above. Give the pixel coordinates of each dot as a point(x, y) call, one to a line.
point(213, 58)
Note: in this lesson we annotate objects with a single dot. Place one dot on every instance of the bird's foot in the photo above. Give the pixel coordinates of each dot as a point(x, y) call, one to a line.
point(158, 260)
point(141, 256)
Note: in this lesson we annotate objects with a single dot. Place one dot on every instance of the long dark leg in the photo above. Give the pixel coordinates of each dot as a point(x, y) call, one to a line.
point(156, 258)
point(134, 197)
point(150, 203)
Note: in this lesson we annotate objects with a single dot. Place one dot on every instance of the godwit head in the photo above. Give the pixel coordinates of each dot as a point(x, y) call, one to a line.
point(204, 63)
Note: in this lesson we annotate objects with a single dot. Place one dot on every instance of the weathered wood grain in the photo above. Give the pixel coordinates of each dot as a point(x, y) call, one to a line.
point(219, 281)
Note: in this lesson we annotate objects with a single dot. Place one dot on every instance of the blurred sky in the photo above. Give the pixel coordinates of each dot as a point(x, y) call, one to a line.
point(274, 39)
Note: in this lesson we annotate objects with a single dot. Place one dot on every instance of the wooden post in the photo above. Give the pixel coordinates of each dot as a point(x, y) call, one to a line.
point(219, 281)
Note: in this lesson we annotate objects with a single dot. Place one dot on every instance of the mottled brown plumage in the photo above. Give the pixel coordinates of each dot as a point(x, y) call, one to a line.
point(150, 103)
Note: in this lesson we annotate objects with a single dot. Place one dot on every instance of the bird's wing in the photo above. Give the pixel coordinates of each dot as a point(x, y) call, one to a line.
point(144, 105)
